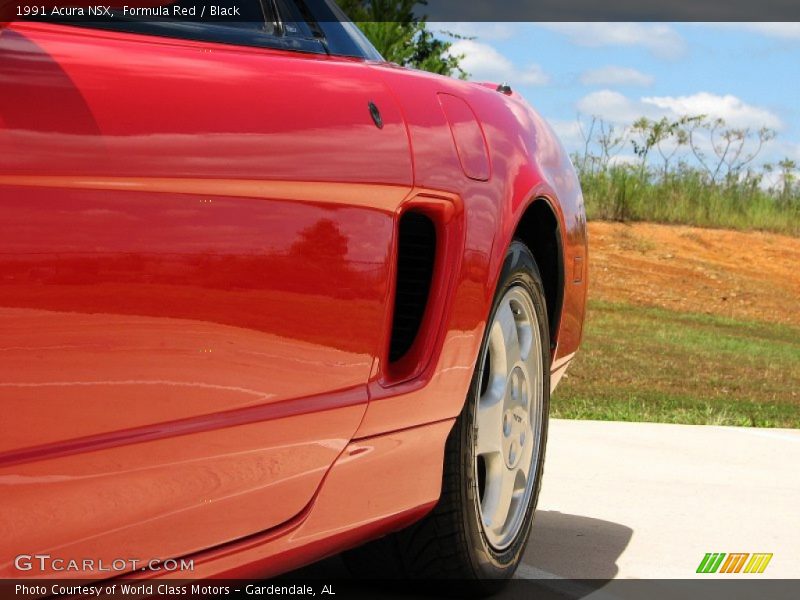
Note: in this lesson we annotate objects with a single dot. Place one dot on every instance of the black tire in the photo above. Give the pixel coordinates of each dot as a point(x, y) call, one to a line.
point(450, 542)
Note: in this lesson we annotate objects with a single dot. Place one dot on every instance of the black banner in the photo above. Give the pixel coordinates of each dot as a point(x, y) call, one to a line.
point(432, 10)
point(712, 588)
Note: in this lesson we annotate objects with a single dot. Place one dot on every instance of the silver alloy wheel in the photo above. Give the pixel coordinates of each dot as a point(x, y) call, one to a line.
point(509, 417)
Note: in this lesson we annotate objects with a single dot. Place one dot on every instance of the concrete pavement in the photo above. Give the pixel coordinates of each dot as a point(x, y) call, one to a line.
point(648, 500)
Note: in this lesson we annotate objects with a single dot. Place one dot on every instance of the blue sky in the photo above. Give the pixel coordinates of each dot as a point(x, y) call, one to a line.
point(748, 74)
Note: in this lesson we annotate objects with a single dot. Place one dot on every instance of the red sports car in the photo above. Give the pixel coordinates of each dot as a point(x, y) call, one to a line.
point(265, 297)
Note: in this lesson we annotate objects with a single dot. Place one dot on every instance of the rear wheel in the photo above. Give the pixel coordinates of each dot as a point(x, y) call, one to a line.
point(494, 455)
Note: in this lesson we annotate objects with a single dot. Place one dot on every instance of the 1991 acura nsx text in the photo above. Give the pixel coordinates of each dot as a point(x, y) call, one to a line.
point(265, 297)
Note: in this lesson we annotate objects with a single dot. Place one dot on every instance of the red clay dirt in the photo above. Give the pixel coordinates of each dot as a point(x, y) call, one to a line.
point(744, 275)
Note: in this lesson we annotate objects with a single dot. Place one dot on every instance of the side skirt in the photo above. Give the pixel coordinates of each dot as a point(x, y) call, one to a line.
point(377, 485)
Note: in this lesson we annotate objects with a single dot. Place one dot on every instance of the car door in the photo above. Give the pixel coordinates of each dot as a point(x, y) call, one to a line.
point(194, 258)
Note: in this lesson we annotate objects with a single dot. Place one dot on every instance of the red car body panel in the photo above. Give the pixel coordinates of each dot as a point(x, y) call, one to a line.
point(197, 272)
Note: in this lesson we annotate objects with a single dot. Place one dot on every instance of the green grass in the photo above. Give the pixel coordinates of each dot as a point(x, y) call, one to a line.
point(650, 364)
point(686, 198)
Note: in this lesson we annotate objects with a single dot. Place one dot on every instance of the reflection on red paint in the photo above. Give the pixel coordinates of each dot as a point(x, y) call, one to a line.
point(197, 258)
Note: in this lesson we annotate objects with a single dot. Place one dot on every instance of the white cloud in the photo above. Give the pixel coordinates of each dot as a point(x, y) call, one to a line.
point(660, 39)
point(789, 31)
point(733, 110)
point(623, 159)
point(618, 108)
point(569, 132)
point(484, 31)
point(485, 63)
point(781, 149)
point(612, 75)
point(612, 106)
point(533, 74)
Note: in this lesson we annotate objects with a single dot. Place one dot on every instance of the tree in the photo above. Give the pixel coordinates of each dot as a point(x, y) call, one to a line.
point(600, 148)
point(788, 177)
point(733, 148)
point(403, 37)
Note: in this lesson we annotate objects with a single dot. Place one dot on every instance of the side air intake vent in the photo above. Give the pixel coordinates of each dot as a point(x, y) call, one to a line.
point(415, 260)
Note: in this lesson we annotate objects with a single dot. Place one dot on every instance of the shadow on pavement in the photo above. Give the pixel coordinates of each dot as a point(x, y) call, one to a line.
point(569, 556)
point(575, 547)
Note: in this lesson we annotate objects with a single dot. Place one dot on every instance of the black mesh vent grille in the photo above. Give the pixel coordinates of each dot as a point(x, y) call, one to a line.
point(415, 261)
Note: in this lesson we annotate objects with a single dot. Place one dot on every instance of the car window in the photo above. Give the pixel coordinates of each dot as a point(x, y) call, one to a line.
point(240, 14)
point(294, 22)
point(316, 26)
point(240, 22)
